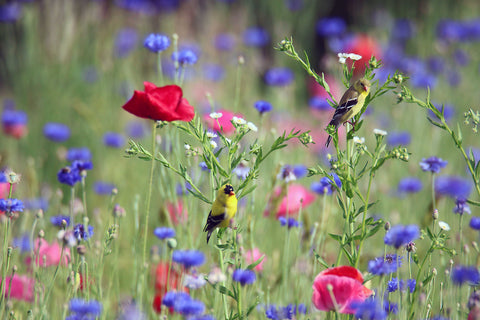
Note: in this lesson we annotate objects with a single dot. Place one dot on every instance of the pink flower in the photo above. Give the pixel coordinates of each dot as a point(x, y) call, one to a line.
point(4, 188)
point(177, 212)
point(49, 255)
point(253, 255)
point(224, 121)
point(21, 288)
point(346, 285)
point(297, 197)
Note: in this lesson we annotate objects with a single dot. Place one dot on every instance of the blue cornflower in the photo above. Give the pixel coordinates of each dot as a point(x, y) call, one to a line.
point(461, 57)
point(450, 30)
point(331, 27)
point(213, 72)
point(244, 276)
point(287, 312)
point(57, 132)
point(136, 129)
point(263, 106)
point(411, 284)
point(224, 42)
point(423, 79)
point(185, 57)
point(57, 220)
point(3, 177)
point(130, 311)
point(125, 41)
point(80, 233)
point(12, 117)
point(279, 77)
point(202, 317)
point(188, 307)
point(23, 243)
point(390, 307)
point(461, 206)
point(11, 205)
point(475, 223)
point(156, 42)
point(400, 138)
point(82, 154)
point(164, 233)
point(82, 165)
point(453, 186)
point(169, 298)
point(241, 171)
point(10, 12)
point(433, 164)
point(326, 185)
point(392, 285)
point(103, 188)
point(436, 64)
point(203, 165)
point(319, 103)
point(290, 222)
point(465, 274)
point(387, 265)
point(114, 140)
point(403, 30)
point(400, 235)
point(188, 258)
point(410, 185)
point(36, 204)
point(370, 309)
point(83, 308)
point(300, 171)
point(286, 174)
point(256, 37)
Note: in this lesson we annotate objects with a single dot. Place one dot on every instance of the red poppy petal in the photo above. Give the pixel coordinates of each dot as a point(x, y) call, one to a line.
point(149, 86)
point(185, 111)
point(345, 290)
point(344, 271)
point(138, 105)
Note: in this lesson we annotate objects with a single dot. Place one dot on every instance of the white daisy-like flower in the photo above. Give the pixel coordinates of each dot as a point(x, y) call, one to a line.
point(252, 126)
point(358, 140)
point(379, 132)
point(211, 134)
point(354, 56)
point(216, 115)
point(213, 144)
point(342, 58)
point(443, 225)
point(186, 146)
point(239, 121)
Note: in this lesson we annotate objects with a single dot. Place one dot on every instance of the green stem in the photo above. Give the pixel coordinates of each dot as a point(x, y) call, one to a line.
point(159, 67)
point(147, 213)
point(222, 266)
point(364, 227)
point(239, 303)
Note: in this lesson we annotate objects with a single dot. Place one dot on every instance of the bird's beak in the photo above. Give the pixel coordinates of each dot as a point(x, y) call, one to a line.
point(232, 193)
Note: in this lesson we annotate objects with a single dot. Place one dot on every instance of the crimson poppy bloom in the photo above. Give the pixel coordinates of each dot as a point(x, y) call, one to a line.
point(160, 103)
point(366, 47)
point(165, 280)
point(346, 284)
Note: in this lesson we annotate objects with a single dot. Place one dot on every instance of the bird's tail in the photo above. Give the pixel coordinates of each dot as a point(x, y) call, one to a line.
point(328, 141)
point(209, 234)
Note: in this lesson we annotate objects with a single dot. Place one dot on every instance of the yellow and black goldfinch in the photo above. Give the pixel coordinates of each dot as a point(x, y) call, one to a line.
point(350, 104)
point(223, 210)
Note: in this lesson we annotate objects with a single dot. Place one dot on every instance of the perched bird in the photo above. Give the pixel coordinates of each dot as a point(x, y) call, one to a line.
point(223, 210)
point(350, 104)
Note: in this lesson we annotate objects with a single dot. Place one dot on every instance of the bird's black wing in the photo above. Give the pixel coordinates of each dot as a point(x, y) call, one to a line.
point(341, 110)
point(213, 221)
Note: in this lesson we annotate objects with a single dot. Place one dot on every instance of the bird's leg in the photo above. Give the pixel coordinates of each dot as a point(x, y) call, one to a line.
point(352, 123)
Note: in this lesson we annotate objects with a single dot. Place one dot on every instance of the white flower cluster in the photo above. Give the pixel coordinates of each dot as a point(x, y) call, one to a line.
point(237, 121)
point(342, 57)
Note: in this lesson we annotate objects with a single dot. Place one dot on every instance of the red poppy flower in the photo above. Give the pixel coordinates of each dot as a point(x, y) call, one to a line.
point(160, 103)
point(15, 130)
point(164, 281)
point(223, 123)
point(297, 197)
point(347, 286)
point(178, 212)
point(19, 287)
point(366, 47)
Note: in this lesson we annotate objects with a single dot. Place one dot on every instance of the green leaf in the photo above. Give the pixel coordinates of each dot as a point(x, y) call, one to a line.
point(255, 263)
point(225, 290)
point(320, 259)
point(475, 203)
point(337, 237)
point(460, 139)
point(437, 124)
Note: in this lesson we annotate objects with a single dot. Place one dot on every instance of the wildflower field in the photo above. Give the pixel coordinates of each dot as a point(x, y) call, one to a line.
point(125, 122)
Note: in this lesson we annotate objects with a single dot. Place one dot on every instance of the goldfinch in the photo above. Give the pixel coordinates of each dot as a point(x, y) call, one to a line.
point(351, 103)
point(223, 210)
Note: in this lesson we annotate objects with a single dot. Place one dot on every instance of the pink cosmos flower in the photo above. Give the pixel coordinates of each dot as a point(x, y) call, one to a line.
point(49, 254)
point(297, 197)
point(253, 255)
point(21, 287)
point(224, 121)
point(346, 285)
